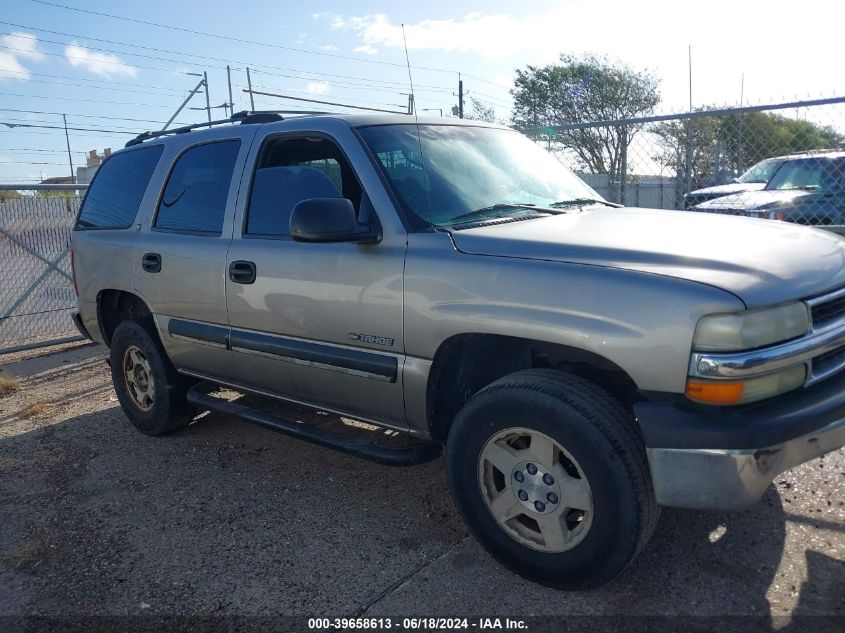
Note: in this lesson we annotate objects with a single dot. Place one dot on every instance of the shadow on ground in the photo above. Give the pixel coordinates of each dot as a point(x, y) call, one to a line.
point(226, 519)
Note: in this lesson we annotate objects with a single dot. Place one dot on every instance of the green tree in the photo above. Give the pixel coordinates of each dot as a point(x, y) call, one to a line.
point(750, 137)
point(582, 89)
point(479, 111)
point(693, 140)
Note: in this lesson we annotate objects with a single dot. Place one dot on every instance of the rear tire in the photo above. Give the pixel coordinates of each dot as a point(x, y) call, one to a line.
point(550, 474)
point(151, 392)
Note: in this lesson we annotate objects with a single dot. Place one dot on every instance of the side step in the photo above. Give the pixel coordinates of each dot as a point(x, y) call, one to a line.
point(406, 456)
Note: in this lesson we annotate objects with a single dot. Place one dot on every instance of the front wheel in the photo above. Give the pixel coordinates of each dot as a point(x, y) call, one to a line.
point(550, 474)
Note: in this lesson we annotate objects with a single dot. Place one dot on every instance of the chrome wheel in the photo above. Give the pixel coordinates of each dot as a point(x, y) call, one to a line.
point(535, 490)
point(138, 377)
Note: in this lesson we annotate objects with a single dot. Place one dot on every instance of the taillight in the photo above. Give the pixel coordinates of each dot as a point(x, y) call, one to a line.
point(73, 274)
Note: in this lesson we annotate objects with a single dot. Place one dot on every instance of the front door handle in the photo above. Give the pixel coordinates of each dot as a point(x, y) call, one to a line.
point(151, 262)
point(242, 272)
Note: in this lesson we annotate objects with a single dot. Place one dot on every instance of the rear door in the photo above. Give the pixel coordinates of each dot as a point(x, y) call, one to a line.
point(318, 323)
point(180, 255)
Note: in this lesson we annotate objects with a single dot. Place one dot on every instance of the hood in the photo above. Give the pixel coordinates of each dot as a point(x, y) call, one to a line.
point(760, 261)
point(751, 200)
point(724, 190)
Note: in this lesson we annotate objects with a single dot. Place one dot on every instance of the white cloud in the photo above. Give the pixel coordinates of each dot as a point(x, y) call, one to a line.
point(366, 48)
point(329, 48)
point(20, 46)
point(104, 64)
point(25, 45)
point(317, 88)
point(647, 34)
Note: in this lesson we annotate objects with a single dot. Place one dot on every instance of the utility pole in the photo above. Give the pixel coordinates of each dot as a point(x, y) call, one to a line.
point(229, 78)
point(411, 106)
point(460, 97)
point(207, 101)
point(249, 85)
point(69, 155)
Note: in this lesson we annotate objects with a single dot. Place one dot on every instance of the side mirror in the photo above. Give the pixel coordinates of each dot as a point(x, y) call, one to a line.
point(329, 220)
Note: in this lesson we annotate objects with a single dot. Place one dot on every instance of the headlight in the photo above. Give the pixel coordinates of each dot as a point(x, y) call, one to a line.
point(766, 214)
point(751, 329)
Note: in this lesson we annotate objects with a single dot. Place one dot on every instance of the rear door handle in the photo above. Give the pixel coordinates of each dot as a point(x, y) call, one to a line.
point(151, 262)
point(242, 272)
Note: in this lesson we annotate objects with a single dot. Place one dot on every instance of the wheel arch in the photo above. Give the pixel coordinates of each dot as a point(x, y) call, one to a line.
point(115, 305)
point(465, 363)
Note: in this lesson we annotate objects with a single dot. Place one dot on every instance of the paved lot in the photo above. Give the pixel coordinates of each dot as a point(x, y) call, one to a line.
point(224, 518)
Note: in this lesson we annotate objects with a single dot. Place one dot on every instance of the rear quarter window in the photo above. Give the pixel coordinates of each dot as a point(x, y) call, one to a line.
point(195, 196)
point(113, 199)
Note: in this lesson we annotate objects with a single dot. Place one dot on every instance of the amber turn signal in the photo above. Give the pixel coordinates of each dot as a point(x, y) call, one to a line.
point(714, 392)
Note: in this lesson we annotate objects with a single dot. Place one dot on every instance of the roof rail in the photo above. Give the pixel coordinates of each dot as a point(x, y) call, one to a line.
point(245, 116)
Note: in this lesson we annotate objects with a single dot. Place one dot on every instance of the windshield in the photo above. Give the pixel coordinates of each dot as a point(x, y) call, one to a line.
point(464, 170)
point(810, 173)
point(761, 172)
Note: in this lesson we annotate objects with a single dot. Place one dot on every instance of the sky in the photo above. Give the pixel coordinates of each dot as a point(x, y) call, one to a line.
point(114, 75)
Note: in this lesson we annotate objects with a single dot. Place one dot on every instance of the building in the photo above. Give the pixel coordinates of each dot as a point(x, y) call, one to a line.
point(93, 160)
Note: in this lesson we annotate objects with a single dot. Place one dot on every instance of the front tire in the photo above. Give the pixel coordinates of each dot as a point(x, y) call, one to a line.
point(550, 474)
point(150, 391)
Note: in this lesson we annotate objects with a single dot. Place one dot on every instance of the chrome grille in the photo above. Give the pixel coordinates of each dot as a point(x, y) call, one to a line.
point(828, 310)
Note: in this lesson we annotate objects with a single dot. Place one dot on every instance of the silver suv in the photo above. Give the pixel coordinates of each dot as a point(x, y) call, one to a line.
point(582, 364)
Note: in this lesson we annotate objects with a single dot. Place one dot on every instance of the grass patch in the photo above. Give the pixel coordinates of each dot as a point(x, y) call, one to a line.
point(8, 384)
point(33, 409)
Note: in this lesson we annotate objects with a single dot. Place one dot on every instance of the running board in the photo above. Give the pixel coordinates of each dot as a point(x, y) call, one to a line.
point(407, 456)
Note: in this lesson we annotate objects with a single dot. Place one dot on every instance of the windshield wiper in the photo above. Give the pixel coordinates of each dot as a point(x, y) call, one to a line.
point(580, 202)
point(502, 206)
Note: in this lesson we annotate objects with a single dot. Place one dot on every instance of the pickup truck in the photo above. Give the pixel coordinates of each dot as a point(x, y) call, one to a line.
point(578, 365)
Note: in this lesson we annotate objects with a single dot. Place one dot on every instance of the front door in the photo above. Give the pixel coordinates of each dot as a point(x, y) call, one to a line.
point(319, 323)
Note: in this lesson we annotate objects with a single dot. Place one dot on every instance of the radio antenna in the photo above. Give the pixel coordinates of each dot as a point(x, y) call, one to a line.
point(417, 123)
point(410, 78)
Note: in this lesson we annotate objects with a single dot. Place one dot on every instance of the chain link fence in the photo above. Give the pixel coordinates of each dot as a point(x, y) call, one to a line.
point(36, 288)
point(780, 161)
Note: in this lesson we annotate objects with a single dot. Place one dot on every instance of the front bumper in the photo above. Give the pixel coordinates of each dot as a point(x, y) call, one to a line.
point(719, 458)
point(726, 479)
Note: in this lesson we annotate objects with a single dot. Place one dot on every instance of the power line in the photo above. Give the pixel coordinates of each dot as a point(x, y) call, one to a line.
point(103, 50)
point(304, 74)
point(14, 125)
point(16, 120)
point(257, 43)
point(236, 39)
point(87, 116)
point(63, 56)
point(126, 103)
point(33, 150)
point(27, 77)
point(110, 82)
point(21, 162)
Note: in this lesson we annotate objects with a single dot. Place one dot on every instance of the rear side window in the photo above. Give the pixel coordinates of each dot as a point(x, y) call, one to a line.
point(195, 195)
point(113, 199)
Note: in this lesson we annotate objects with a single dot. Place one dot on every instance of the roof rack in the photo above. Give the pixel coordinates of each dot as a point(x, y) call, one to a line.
point(243, 117)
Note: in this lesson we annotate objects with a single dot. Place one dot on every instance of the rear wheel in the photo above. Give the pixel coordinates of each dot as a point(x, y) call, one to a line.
point(150, 391)
point(550, 474)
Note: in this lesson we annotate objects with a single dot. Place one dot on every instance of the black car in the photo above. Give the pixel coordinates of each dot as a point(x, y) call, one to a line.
point(808, 190)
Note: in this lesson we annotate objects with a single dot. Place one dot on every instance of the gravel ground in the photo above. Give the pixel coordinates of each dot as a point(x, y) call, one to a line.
point(227, 519)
